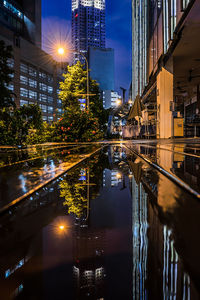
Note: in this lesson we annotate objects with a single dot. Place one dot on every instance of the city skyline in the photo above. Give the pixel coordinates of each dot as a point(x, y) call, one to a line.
point(118, 32)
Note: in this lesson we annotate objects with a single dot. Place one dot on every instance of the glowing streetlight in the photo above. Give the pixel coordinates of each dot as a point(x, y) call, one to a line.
point(61, 51)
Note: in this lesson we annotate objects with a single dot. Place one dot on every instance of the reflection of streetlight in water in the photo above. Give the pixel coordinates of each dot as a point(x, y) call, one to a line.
point(118, 175)
point(61, 227)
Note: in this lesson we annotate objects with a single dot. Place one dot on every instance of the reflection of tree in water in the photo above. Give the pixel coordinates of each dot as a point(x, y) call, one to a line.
point(76, 192)
point(75, 197)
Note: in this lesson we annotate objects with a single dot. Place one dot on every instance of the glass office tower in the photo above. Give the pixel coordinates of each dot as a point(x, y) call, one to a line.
point(88, 24)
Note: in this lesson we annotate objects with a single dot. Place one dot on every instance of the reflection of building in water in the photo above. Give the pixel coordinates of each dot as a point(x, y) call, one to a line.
point(170, 266)
point(20, 228)
point(88, 269)
point(172, 274)
point(111, 178)
point(140, 240)
point(158, 272)
point(166, 274)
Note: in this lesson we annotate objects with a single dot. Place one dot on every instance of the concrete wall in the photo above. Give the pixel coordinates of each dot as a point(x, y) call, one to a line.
point(164, 96)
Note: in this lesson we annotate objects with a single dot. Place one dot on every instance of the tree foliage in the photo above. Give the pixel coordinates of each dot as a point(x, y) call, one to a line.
point(80, 125)
point(6, 98)
point(16, 122)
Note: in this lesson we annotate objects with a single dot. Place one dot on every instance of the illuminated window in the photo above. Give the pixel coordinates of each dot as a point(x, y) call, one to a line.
point(50, 109)
point(23, 80)
point(23, 68)
point(32, 71)
point(32, 95)
point(23, 92)
point(23, 102)
point(166, 24)
point(43, 87)
point(42, 75)
point(43, 108)
point(59, 110)
point(11, 87)
point(43, 97)
point(13, 269)
point(50, 89)
point(13, 9)
point(10, 63)
point(50, 99)
point(173, 17)
point(50, 118)
point(32, 83)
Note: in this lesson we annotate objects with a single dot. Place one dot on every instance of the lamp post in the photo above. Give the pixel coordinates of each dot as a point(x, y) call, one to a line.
point(61, 52)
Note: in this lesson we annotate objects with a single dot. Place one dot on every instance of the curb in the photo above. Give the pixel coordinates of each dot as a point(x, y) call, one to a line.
point(179, 182)
point(40, 186)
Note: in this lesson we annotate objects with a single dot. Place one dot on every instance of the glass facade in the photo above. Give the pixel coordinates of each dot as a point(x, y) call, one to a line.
point(150, 44)
point(13, 9)
point(11, 15)
point(23, 80)
point(88, 24)
point(139, 46)
point(41, 91)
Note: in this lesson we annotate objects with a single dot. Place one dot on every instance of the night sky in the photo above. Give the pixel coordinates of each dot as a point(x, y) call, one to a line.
point(118, 31)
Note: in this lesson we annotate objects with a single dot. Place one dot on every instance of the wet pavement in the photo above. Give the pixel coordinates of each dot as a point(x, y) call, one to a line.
point(111, 228)
point(23, 171)
point(181, 159)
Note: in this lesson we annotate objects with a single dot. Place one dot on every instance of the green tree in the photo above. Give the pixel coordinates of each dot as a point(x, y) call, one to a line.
point(16, 123)
point(77, 124)
point(6, 98)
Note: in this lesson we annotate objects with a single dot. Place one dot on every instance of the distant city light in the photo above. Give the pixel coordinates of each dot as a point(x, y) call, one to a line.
point(119, 102)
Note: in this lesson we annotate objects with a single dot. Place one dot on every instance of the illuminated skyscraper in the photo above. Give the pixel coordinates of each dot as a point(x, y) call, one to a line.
point(88, 24)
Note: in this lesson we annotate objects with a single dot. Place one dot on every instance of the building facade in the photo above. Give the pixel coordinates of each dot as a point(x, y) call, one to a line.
point(166, 64)
point(111, 99)
point(102, 69)
point(36, 75)
point(88, 25)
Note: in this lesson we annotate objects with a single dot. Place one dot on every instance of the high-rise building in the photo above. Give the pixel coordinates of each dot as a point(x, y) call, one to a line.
point(88, 24)
point(36, 75)
point(165, 71)
point(88, 37)
point(102, 67)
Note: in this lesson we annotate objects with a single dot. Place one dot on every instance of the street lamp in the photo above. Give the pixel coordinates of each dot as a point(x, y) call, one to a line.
point(61, 51)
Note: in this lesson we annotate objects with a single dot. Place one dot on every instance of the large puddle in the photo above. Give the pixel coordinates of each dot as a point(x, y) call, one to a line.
point(112, 228)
